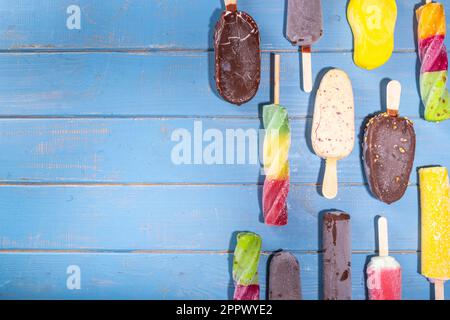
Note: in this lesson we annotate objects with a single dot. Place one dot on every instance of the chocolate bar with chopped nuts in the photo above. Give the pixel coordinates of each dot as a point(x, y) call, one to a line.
point(388, 153)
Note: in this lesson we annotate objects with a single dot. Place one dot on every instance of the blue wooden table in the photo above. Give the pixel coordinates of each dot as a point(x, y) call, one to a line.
point(87, 185)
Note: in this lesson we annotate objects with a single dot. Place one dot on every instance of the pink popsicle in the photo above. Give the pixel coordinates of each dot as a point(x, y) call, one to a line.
point(433, 54)
point(384, 274)
point(250, 292)
point(389, 278)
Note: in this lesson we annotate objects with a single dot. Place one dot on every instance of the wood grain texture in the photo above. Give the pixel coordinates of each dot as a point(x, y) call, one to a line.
point(197, 218)
point(169, 25)
point(163, 276)
point(139, 151)
point(180, 84)
point(86, 118)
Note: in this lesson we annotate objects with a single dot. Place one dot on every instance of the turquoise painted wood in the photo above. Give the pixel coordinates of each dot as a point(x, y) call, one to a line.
point(201, 218)
point(167, 25)
point(86, 177)
point(104, 150)
point(165, 276)
point(178, 84)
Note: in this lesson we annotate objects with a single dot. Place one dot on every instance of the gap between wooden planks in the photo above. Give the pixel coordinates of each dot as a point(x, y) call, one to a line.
point(175, 184)
point(30, 50)
point(111, 251)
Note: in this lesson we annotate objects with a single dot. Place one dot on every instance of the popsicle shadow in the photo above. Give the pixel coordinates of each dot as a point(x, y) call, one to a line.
point(418, 66)
point(419, 234)
point(432, 292)
point(308, 126)
point(366, 264)
point(285, 18)
point(262, 176)
point(231, 248)
point(369, 257)
point(361, 133)
point(211, 58)
point(320, 255)
point(268, 272)
point(375, 227)
point(353, 38)
point(362, 130)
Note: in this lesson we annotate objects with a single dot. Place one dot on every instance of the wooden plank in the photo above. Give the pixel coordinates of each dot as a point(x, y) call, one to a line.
point(178, 84)
point(166, 276)
point(155, 24)
point(195, 218)
point(85, 161)
point(140, 151)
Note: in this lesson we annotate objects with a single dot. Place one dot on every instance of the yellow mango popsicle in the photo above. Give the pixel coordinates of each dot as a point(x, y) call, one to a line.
point(435, 221)
point(373, 25)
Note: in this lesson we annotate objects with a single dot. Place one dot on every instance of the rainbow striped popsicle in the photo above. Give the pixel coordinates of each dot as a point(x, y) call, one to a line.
point(277, 142)
point(433, 56)
point(276, 165)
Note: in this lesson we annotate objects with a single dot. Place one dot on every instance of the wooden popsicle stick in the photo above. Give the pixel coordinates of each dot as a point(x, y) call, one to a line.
point(427, 1)
point(394, 91)
point(276, 80)
point(383, 247)
point(231, 5)
point(438, 290)
point(306, 69)
point(330, 186)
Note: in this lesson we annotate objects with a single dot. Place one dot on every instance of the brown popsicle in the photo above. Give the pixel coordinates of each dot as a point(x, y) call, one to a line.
point(336, 256)
point(388, 150)
point(284, 277)
point(303, 28)
point(237, 55)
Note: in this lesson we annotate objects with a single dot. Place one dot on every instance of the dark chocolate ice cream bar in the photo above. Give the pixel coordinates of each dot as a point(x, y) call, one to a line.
point(388, 150)
point(284, 277)
point(337, 256)
point(237, 56)
point(304, 22)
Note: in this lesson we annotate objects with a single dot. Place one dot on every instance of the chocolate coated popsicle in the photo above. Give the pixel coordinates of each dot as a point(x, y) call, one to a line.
point(336, 239)
point(304, 28)
point(284, 277)
point(304, 22)
point(388, 150)
point(237, 55)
